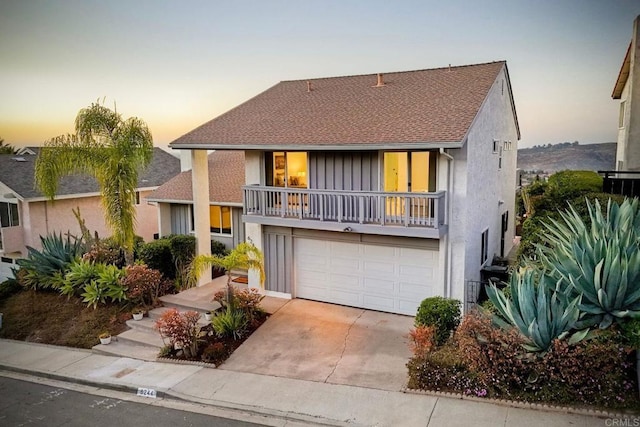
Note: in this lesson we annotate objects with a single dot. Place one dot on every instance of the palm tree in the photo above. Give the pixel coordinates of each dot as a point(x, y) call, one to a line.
point(6, 148)
point(244, 256)
point(111, 150)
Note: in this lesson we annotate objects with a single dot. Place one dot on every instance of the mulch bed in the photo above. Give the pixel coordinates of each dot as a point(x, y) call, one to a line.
point(214, 349)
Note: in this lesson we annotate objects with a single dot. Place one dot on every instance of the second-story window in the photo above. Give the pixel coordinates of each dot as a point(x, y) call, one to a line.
point(9, 215)
point(409, 172)
point(290, 169)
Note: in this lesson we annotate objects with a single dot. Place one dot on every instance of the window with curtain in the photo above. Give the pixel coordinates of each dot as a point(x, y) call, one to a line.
point(220, 219)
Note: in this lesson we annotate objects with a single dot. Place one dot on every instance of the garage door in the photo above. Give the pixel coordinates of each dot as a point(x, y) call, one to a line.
point(386, 278)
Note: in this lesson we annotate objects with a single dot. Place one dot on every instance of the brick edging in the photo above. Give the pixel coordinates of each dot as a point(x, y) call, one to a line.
point(600, 413)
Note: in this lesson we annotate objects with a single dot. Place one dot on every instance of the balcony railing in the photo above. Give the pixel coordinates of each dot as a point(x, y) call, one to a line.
point(625, 183)
point(349, 207)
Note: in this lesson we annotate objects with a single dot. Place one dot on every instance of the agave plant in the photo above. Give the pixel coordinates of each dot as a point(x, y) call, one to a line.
point(44, 269)
point(601, 263)
point(539, 311)
point(80, 273)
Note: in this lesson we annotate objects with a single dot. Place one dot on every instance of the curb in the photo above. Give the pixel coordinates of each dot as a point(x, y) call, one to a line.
point(168, 394)
point(117, 387)
point(545, 407)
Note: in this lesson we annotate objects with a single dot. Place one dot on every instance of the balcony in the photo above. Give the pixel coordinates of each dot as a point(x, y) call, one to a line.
point(395, 214)
point(624, 183)
point(11, 239)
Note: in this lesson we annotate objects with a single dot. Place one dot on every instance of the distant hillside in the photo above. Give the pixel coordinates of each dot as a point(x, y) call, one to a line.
point(574, 156)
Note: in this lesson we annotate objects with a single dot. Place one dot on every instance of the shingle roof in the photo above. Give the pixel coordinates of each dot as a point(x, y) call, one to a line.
point(18, 175)
point(425, 106)
point(226, 177)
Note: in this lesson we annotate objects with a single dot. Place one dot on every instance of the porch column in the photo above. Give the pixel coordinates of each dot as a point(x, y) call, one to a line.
point(253, 172)
point(201, 226)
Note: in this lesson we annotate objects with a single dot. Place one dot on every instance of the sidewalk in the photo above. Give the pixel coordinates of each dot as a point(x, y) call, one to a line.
point(288, 399)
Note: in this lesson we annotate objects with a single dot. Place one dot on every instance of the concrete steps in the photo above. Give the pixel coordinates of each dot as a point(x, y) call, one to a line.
point(142, 340)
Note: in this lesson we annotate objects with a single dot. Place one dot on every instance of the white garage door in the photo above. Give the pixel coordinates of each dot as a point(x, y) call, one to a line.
point(386, 278)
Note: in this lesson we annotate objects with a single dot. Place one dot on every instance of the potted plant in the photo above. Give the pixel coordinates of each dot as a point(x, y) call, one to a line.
point(207, 316)
point(137, 313)
point(105, 338)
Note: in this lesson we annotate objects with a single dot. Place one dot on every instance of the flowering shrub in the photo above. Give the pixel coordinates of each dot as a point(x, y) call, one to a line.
point(182, 330)
point(143, 284)
point(484, 360)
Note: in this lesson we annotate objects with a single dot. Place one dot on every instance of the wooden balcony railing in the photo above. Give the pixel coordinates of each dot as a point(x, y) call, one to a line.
point(356, 207)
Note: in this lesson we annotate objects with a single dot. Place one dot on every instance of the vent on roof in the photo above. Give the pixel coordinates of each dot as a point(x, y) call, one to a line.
point(309, 89)
point(380, 81)
point(19, 159)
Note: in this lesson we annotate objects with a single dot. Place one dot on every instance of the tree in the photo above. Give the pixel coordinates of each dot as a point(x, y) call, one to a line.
point(112, 150)
point(244, 256)
point(6, 148)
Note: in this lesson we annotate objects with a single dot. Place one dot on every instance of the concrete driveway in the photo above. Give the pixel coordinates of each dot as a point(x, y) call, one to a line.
point(328, 343)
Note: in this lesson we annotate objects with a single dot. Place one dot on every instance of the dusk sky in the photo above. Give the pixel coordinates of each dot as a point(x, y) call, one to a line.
point(177, 64)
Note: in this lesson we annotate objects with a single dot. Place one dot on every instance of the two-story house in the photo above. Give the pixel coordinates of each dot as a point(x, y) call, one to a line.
point(26, 214)
point(372, 191)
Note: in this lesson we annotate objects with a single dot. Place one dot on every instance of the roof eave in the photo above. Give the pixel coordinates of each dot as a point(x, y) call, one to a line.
point(317, 147)
point(190, 202)
point(623, 75)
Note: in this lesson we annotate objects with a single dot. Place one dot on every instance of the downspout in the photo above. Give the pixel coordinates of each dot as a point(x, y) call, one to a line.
point(447, 260)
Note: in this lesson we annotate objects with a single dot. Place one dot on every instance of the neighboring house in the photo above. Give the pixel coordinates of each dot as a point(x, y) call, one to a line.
point(25, 214)
point(226, 178)
point(627, 90)
point(372, 191)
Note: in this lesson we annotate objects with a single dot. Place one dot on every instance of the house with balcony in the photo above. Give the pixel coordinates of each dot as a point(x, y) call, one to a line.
point(372, 191)
point(174, 199)
point(625, 180)
point(26, 214)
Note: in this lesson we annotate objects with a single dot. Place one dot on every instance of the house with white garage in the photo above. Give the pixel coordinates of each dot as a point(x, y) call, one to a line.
point(26, 214)
point(372, 191)
point(174, 199)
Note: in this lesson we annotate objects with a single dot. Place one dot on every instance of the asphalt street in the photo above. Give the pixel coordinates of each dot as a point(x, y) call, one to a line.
point(25, 403)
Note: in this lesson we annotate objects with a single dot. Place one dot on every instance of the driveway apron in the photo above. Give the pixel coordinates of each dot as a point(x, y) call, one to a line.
point(329, 343)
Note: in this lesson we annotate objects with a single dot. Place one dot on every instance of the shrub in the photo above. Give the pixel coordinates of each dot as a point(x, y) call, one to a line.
point(215, 353)
point(442, 313)
point(183, 249)
point(8, 288)
point(422, 340)
point(81, 273)
point(441, 370)
point(229, 323)
point(105, 251)
point(142, 284)
point(246, 300)
point(157, 255)
point(485, 360)
point(182, 330)
point(45, 269)
point(106, 286)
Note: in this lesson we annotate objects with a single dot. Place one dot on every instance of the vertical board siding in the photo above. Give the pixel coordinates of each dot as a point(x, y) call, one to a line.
point(354, 171)
point(278, 266)
point(237, 226)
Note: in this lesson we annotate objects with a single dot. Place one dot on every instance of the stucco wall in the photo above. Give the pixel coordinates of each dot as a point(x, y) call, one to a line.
point(482, 190)
point(623, 132)
point(44, 217)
